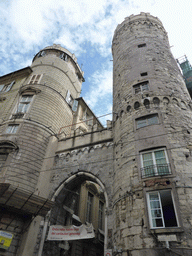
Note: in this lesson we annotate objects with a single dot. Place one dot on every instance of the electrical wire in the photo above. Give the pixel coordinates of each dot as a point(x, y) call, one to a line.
point(76, 165)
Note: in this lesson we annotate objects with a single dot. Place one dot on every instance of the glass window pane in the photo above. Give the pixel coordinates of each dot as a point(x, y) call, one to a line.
point(147, 156)
point(153, 196)
point(155, 204)
point(141, 123)
point(25, 107)
point(153, 120)
point(157, 223)
point(145, 87)
point(160, 157)
point(156, 213)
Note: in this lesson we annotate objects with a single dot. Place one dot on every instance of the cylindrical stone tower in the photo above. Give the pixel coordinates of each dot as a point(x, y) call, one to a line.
point(35, 103)
point(152, 143)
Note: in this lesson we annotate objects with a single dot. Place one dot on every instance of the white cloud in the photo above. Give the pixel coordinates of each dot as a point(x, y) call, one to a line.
point(100, 89)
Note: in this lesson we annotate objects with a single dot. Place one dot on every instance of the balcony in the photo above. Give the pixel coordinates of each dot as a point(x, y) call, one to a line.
point(155, 170)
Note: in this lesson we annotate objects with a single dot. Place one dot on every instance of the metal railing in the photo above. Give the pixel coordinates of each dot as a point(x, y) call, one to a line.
point(155, 170)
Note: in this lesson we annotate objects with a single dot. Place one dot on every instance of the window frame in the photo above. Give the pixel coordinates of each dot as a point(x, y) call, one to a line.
point(101, 215)
point(24, 103)
point(149, 209)
point(140, 87)
point(6, 87)
point(154, 166)
point(13, 129)
point(35, 79)
point(146, 118)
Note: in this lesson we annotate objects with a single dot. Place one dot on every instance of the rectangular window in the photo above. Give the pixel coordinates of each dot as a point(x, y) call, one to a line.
point(6, 87)
point(141, 45)
point(35, 79)
point(69, 98)
point(147, 120)
point(141, 87)
point(24, 103)
point(144, 74)
point(154, 163)
point(12, 128)
point(89, 207)
point(100, 218)
point(161, 209)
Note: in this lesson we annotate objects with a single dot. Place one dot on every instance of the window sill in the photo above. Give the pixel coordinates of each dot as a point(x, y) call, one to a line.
point(167, 230)
point(169, 175)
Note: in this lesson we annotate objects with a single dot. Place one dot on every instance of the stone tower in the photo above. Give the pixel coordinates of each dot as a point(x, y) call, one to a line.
point(152, 194)
point(35, 103)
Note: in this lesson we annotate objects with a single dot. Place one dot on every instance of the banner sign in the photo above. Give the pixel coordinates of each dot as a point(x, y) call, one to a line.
point(57, 232)
point(5, 239)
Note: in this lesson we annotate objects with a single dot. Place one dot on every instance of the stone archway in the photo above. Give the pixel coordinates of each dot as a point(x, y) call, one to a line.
point(71, 199)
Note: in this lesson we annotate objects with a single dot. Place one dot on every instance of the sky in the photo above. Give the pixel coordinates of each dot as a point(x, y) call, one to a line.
point(86, 28)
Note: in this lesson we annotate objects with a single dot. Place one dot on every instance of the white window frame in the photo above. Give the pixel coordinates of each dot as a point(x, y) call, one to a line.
point(146, 121)
point(154, 166)
point(12, 128)
point(159, 210)
point(25, 103)
point(35, 79)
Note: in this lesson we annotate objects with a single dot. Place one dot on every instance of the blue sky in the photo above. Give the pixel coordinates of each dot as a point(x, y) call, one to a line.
point(85, 28)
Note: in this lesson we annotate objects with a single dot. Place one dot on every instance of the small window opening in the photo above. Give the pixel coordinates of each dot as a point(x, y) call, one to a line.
point(144, 74)
point(141, 45)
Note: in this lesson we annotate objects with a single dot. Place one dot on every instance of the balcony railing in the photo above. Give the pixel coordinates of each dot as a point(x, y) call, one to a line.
point(155, 170)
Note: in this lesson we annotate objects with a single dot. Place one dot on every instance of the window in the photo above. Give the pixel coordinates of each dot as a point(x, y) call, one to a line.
point(89, 207)
point(100, 217)
point(6, 87)
point(63, 56)
point(35, 79)
point(141, 45)
point(41, 54)
point(144, 74)
point(12, 128)
point(147, 120)
point(24, 103)
point(141, 87)
point(154, 163)
point(161, 209)
point(69, 98)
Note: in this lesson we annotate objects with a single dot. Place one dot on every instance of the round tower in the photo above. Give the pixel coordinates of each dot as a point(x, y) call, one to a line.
point(35, 103)
point(42, 103)
point(152, 142)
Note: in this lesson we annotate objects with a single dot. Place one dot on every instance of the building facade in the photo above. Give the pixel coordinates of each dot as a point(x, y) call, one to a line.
point(60, 166)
